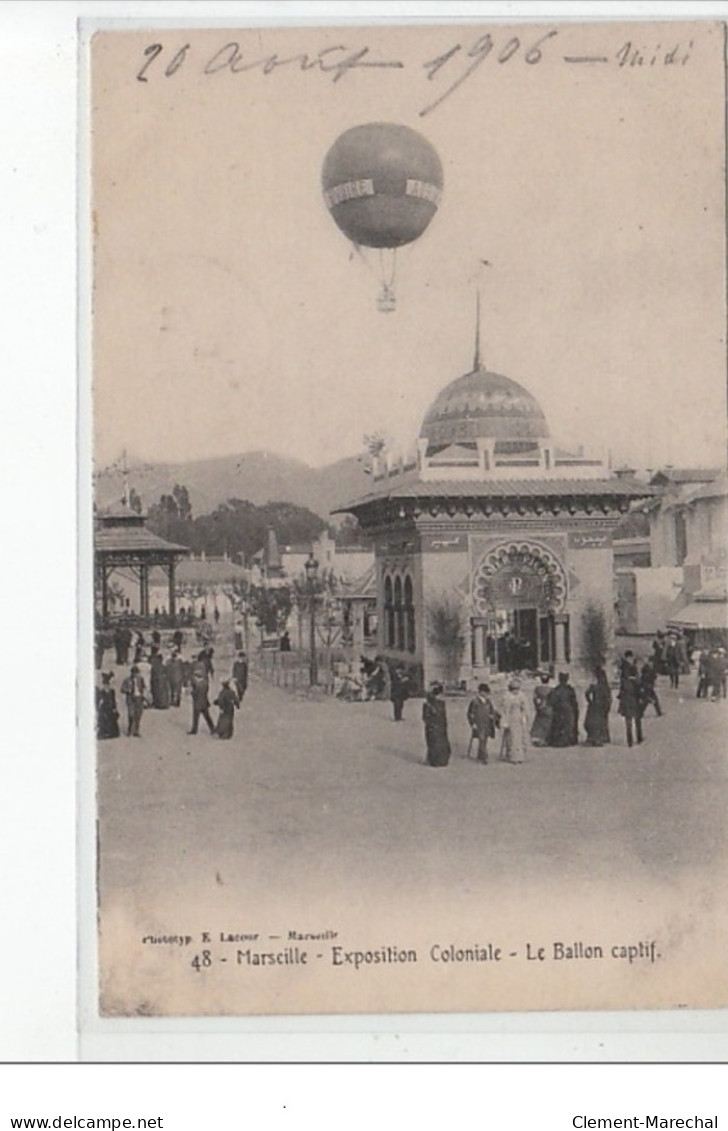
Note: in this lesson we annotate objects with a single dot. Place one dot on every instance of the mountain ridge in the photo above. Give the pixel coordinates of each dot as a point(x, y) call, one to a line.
point(259, 476)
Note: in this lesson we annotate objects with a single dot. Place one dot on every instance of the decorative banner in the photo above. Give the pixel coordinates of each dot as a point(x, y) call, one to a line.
point(444, 542)
point(598, 540)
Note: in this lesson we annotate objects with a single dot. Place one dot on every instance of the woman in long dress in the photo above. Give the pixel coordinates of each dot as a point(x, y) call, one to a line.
point(599, 701)
point(541, 727)
point(514, 721)
point(434, 716)
point(565, 721)
point(158, 684)
point(174, 670)
point(107, 715)
point(227, 701)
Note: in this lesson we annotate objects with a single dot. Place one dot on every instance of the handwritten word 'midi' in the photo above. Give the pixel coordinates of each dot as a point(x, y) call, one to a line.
point(230, 58)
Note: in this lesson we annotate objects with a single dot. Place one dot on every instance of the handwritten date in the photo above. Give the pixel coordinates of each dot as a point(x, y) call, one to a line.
point(447, 71)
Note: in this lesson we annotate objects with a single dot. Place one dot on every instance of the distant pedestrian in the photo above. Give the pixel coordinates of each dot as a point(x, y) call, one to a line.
point(716, 673)
point(216, 615)
point(565, 714)
point(240, 675)
point(701, 691)
point(722, 666)
point(648, 678)
point(434, 716)
point(599, 701)
point(672, 662)
point(399, 688)
point(159, 687)
point(107, 715)
point(227, 701)
point(630, 699)
point(285, 642)
point(174, 670)
point(99, 649)
point(200, 699)
point(205, 657)
point(134, 688)
point(178, 639)
point(541, 728)
point(483, 719)
point(515, 724)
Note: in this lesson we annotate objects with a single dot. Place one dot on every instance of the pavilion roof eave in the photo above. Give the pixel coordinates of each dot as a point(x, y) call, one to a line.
point(138, 542)
point(523, 489)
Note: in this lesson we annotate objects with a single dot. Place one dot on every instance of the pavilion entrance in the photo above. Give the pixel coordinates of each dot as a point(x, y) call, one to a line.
point(518, 623)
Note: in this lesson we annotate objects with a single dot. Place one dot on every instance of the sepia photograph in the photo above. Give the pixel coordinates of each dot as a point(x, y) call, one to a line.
point(407, 358)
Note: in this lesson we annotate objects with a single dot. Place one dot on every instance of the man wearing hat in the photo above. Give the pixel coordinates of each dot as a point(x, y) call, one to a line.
point(240, 675)
point(135, 690)
point(483, 719)
point(200, 698)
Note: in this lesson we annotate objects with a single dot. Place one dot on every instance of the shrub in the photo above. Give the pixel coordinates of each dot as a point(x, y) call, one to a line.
point(594, 636)
point(446, 632)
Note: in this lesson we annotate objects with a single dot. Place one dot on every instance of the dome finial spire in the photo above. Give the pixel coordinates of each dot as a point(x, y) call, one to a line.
point(477, 362)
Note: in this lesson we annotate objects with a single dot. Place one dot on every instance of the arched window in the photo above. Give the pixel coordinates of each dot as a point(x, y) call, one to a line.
point(399, 614)
point(409, 614)
point(388, 613)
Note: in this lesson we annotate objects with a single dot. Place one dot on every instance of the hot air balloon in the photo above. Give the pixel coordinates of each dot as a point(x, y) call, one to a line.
point(382, 184)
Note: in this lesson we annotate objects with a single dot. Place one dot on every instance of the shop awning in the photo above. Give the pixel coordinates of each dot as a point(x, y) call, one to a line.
point(701, 614)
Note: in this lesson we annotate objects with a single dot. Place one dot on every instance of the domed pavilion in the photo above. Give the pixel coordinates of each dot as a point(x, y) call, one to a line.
point(493, 531)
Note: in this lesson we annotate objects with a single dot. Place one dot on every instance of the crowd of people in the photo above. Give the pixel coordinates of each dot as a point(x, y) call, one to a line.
point(556, 712)
point(158, 675)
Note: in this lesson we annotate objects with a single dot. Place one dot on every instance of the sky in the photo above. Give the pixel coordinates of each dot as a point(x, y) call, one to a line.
point(229, 313)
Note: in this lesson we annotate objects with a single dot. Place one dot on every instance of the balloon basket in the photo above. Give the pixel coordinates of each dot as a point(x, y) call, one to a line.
point(387, 301)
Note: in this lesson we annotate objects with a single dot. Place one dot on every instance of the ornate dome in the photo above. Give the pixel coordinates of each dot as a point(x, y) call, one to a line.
point(483, 405)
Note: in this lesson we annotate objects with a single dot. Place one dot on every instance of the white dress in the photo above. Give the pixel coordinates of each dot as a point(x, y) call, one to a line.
point(515, 726)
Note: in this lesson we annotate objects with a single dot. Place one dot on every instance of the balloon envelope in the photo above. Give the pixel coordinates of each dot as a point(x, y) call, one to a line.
point(382, 184)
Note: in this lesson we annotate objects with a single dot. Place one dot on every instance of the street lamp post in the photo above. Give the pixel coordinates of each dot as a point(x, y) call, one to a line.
point(311, 568)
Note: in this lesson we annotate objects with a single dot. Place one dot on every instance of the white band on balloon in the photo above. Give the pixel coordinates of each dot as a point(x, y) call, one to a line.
point(350, 190)
point(424, 191)
point(353, 190)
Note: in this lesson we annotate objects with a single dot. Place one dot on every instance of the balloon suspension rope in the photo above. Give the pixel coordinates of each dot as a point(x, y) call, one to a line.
point(387, 301)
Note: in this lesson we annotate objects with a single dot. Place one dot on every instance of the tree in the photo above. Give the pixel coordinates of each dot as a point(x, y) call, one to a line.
point(349, 533)
point(446, 632)
point(594, 636)
point(271, 608)
point(135, 501)
point(181, 497)
point(292, 524)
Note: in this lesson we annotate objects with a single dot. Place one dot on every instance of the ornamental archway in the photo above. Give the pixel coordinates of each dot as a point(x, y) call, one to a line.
point(518, 599)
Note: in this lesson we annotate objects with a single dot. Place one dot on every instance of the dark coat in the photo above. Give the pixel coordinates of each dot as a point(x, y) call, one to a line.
point(159, 685)
point(565, 716)
point(399, 686)
point(483, 717)
point(630, 693)
point(200, 691)
point(434, 716)
point(596, 720)
point(240, 675)
point(107, 715)
point(227, 701)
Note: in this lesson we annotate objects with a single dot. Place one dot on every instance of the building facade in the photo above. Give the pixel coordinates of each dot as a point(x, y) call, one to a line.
point(494, 551)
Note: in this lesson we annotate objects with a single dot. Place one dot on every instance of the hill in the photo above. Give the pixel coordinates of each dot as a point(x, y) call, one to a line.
point(260, 477)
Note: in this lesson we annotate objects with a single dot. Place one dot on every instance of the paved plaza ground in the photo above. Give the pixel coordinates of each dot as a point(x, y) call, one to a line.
point(320, 783)
point(320, 813)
